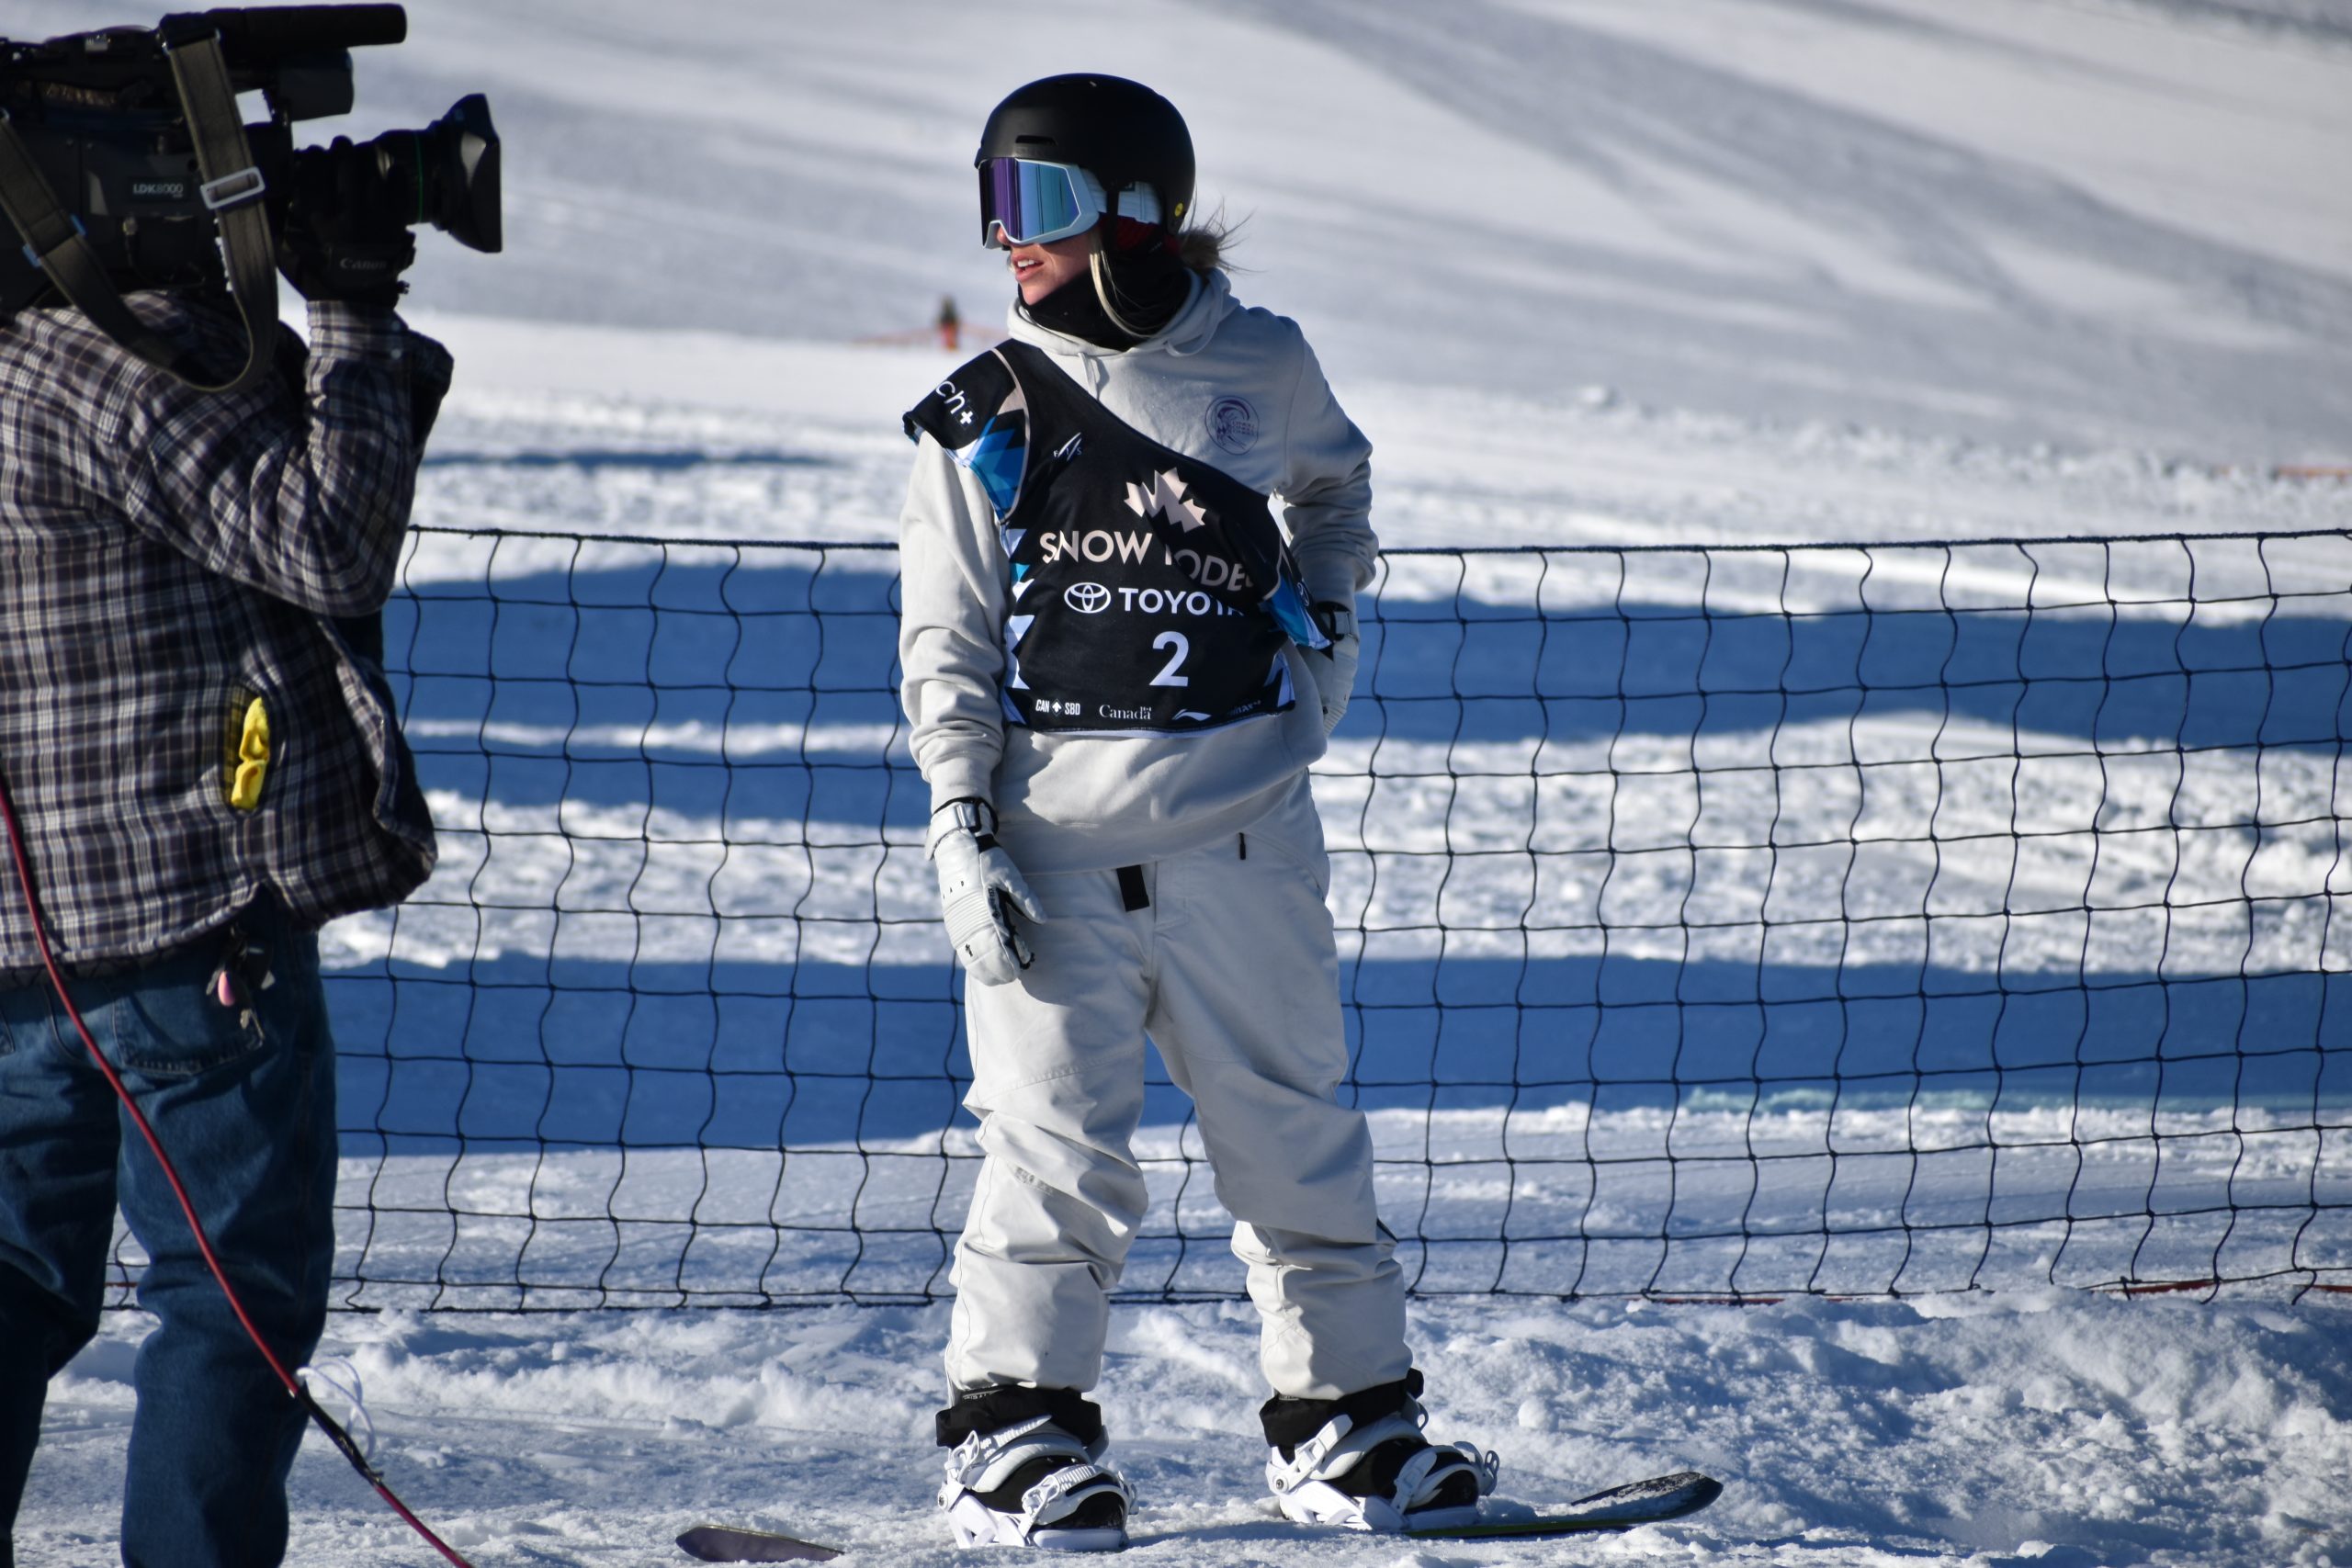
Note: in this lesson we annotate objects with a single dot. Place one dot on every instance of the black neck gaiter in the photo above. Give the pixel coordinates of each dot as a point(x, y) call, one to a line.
point(1148, 285)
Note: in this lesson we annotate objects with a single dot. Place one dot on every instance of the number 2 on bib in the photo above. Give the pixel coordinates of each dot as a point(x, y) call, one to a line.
point(1168, 676)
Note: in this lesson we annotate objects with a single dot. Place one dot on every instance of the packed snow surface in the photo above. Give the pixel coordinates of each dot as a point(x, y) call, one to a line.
point(1998, 1432)
point(1589, 272)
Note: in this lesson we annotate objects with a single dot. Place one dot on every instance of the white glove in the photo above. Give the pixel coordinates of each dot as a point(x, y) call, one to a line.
point(1335, 666)
point(979, 889)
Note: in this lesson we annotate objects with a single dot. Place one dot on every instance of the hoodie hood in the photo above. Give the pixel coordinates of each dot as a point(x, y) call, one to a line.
point(1188, 331)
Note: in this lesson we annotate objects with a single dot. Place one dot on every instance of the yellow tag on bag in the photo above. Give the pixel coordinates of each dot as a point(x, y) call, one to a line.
point(252, 761)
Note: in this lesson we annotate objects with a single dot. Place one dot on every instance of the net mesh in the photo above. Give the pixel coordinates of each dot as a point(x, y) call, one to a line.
point(1716, 922)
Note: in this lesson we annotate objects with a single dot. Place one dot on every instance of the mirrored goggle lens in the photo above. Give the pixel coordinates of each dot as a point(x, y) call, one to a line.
point(1030, 202)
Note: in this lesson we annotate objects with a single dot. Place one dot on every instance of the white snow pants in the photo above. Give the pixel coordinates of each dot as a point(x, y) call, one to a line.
point(1231, 969)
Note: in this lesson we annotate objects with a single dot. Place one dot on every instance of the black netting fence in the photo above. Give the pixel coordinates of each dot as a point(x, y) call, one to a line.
point(1718, 922)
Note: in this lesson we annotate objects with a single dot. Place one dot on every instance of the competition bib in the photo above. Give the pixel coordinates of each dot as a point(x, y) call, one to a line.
point(1149, 590)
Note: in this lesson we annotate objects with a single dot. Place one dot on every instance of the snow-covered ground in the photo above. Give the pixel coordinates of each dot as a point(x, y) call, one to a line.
point(2019, 1430)
point(1590, 273)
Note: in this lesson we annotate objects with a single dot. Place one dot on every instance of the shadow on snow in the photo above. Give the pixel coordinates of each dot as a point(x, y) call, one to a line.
point(693, 688)
point(519, 1051)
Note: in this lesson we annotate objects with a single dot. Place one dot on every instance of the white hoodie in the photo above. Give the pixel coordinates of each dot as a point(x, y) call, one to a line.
point(1220, 375)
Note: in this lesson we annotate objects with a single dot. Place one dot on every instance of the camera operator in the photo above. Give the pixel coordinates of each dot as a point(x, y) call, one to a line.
point(200, 745)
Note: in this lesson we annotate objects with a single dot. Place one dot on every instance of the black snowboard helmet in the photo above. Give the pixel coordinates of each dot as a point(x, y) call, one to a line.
point(1120, 132)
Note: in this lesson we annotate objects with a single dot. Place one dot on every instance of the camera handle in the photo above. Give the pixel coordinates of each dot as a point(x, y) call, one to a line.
point(232, 189)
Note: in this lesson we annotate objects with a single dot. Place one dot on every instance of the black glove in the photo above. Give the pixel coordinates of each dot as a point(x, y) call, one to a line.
point(342, 237)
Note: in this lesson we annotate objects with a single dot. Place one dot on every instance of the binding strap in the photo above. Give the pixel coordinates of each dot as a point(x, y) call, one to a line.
point(232, 189)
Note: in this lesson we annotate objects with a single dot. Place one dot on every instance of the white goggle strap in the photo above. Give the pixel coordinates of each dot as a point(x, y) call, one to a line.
point(1139, 203)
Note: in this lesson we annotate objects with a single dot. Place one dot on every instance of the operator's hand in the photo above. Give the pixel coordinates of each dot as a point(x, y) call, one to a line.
point(1335, 666)
point(340, 238)
point(980, 887)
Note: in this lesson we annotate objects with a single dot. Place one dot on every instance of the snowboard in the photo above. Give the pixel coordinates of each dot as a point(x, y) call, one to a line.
point(1650, 1502)
point(725, 1543)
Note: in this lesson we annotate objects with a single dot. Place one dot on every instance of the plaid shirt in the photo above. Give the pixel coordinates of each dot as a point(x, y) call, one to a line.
point(168, 556)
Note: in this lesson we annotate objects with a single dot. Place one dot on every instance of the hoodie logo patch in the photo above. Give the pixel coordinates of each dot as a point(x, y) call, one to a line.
point(1233, 424)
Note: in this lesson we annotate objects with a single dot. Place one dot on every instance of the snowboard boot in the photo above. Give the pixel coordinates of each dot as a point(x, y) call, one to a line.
point(1027, 1471)
point(1362, 1464)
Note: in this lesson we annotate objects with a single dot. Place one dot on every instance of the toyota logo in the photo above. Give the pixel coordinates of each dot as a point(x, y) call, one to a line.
point(1087, 598)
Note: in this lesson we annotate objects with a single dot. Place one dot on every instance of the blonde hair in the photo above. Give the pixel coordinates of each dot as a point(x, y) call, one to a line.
point(1200, 247)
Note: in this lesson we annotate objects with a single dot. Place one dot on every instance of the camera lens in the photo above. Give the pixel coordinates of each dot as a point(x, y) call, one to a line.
point(455, 164)
point(445, 174)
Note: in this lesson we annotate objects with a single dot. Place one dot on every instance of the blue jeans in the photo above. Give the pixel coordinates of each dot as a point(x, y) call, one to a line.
point(242, 1099)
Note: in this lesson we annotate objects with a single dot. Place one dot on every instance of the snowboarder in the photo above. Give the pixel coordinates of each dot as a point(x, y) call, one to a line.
point(1117, 671)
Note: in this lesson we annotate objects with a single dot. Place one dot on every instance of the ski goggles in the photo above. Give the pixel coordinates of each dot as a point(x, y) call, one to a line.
point(1025, 203)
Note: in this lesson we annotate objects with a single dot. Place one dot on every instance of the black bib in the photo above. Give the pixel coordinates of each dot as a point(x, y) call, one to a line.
point(1149, 590)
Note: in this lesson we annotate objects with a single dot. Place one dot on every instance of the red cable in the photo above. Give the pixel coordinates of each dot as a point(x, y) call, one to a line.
point(326, 1423)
